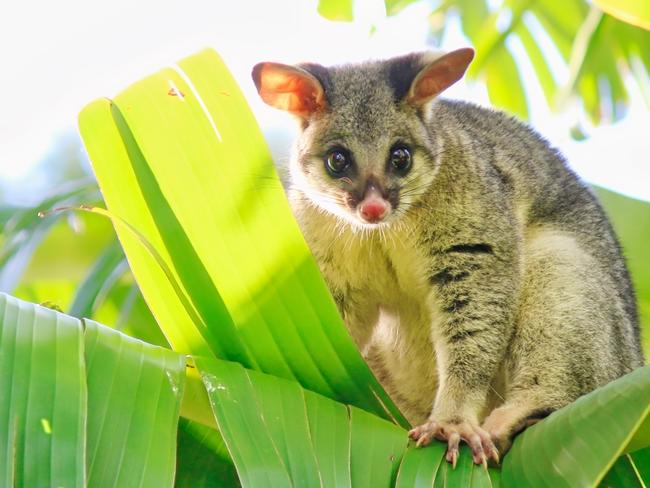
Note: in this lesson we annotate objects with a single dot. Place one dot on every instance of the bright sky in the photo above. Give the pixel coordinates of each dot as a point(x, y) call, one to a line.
point(57, 56)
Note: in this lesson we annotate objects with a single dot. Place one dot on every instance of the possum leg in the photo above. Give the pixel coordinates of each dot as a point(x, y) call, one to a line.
point(567, 337)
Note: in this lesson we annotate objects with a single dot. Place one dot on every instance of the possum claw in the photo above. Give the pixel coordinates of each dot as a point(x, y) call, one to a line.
point(477, 439)
point(452, 448)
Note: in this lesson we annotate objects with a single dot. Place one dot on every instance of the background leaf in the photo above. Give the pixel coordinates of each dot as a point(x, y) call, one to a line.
point(395, 6)
point(631, 221)
point(110, 265)
point(599, 50)
point(23, 231)
point(505, 86)
point(340, 10)
point(539, 62)
point(631, 11)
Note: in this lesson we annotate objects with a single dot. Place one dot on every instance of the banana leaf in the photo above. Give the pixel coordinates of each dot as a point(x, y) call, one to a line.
point(202, 459)
point(170, 162)
point(93, 404)
point(602, 437)
point(43, 397)
point(82, 404)
point(283, 435)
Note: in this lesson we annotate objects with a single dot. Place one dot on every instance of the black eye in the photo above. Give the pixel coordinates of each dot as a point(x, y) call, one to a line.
point(337, 162)
point(400, 159)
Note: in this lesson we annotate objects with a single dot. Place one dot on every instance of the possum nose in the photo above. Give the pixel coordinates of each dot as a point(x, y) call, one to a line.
point(373, 210)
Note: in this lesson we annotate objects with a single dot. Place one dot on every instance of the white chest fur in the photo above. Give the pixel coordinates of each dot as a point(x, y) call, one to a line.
point(383, 278)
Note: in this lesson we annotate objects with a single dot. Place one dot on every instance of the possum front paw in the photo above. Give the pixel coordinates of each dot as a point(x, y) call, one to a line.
point(452, 432)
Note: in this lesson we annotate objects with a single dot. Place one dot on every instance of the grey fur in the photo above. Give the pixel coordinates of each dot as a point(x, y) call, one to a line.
point(496, 292)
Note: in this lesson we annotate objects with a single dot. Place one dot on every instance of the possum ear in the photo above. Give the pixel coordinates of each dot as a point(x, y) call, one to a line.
point(439, 75)
point(289, 88)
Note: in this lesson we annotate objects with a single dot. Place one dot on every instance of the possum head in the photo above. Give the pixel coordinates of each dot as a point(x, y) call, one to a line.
point(365, 152)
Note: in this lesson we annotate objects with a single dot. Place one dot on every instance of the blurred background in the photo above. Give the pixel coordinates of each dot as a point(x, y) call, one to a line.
point(576, 70)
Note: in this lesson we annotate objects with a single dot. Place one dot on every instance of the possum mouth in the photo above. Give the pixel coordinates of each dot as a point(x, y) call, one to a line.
point(359, 224)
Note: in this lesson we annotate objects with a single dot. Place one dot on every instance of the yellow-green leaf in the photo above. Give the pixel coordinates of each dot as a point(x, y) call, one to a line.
point(340, 10)
point(635, 12)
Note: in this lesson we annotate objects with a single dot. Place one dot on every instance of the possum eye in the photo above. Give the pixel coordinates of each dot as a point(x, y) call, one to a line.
point(400, 159)
point(337, 162)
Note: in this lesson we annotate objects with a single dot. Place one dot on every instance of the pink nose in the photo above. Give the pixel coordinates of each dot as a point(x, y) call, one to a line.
point(373, 211)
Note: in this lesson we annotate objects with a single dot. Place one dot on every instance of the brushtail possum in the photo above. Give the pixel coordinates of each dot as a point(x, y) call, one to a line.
point(477, 274)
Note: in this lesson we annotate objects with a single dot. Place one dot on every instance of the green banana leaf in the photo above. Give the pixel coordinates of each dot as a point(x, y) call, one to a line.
point(82, 403)
point(135, 392)
point(576, 446)
point(631, 470)
point(202, 458)
point(170, 162)
point(121, 429)
point(263, 418)
point(283, 435)
point(43, 399)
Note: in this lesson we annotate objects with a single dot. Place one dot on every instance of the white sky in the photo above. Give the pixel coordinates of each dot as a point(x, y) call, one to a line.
point(59, 55)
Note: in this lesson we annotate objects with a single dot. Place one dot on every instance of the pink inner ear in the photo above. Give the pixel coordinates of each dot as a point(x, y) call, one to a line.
point(440, 75)
point(289, 89)
point(429, 86)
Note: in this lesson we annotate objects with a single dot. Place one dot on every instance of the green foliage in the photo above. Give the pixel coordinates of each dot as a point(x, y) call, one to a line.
point(134, 396)
point(598, 49)
point(603, 425)
point(43, 398)
point(96, 405)
point(631, 11)
point(336, 9)
point(23, 231)
point(631, 470)
point(202, 460)
point(248, 289)
point(631, 220)
point(82, 403)
point(108, 267)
